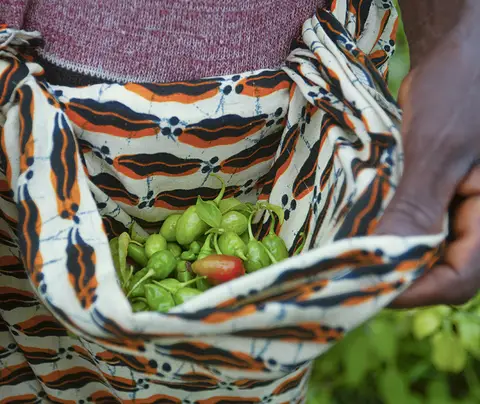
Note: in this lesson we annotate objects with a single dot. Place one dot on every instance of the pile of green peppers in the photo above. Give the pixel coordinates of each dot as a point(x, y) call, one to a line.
point(208, 244)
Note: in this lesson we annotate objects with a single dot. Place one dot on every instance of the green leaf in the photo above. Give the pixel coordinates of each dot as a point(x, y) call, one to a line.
point(209, 213)
point(123, 241)
point(278, 211)
point(469, 333)
point(393, 387)
point(383, 340)
point(114, 251)
point(329, 363)
point(425, 323)
point(448, 354)
point(438, 392)
point(357, 359)
point(135, 236)
point(319, 396)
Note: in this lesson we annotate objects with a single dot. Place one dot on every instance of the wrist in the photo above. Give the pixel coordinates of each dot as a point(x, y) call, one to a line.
point(468, 28)
point(427, 23)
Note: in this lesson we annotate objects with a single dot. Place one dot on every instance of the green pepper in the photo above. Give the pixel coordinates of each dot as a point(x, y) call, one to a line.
point(188, 256)
point(182, 271)
point(158, 298)
point(139, 305)
point(257, 256)
point(195, 247)
point(234, 222)
point(275, 245)
point(231, 244)
point(162, 263)
point(206, 249)
point(175, 249)
point(190, 226)
point(137, 284)
point(202, 284)
point(191, 253)
point(169, 226)
point(159, 266)
point(154, 244)
point(184, 294)
point(137, 253)
point(245, 238)
point(231, 204)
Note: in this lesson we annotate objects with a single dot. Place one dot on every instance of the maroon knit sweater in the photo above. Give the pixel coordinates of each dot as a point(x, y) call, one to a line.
point(158, 40)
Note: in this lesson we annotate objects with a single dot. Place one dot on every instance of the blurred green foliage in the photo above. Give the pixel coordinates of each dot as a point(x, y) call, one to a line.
point(400, 62)
point(424, 356)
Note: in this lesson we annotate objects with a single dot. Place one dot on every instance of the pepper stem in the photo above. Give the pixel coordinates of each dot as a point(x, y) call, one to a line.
point(302, 244)
point(250, 232)
point(185, 284)
point(214, 230)
point(222, 191)
point(241, 255)
point(272, 258)
point(206, 247)
point(215, 244)
point(272, 225)
point(145, 277)
point(174, 289)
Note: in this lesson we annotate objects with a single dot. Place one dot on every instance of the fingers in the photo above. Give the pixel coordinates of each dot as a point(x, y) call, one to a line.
point(409, 215)
point(447, 284)
point(457, 280)
point(438, 286)
point(404, 90)
point(466, 224)
point(471, 184)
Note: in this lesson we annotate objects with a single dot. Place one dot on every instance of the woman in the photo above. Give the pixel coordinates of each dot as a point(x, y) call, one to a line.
point(91, 42)
point(85, 45)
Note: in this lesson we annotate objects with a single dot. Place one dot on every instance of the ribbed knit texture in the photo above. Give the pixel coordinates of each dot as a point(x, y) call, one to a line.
point(161, 40)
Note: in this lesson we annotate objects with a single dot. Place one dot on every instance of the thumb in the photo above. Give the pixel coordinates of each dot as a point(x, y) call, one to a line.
point(404, 90)
point(414, 212)
point(417, 208)
point(410, 215)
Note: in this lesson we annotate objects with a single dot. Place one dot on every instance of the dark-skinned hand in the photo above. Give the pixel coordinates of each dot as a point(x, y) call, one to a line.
point(441, 135)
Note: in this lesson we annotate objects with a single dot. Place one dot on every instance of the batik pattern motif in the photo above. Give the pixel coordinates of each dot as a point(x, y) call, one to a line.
point(77, 165)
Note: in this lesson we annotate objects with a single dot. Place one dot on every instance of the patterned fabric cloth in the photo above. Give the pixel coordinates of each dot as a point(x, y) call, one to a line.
point(319, 137)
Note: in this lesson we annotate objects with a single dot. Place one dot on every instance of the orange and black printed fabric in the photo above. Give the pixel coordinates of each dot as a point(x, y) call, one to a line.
point(79, 165)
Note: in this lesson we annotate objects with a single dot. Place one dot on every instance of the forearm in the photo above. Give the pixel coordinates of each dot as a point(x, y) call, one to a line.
point(428, 21)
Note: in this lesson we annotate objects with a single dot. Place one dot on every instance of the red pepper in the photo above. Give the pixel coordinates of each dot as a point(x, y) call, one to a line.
point(219, 268)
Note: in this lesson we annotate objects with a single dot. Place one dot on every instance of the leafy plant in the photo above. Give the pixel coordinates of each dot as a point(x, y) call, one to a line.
point(429, 355)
